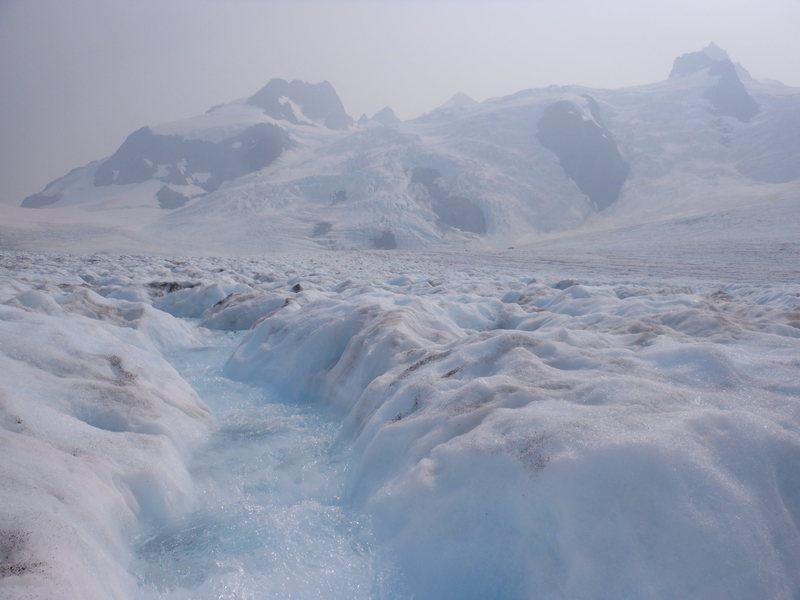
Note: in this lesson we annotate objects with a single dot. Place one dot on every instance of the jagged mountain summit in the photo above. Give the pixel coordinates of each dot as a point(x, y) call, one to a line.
point(298, 102)
point(727, 95)
point(385, 116)
point(287, 168)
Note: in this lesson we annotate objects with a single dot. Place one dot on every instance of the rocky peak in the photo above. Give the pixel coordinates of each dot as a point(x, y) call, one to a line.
point(686, 64)
point(298, 101)
point(385, 116)
point(727, 95)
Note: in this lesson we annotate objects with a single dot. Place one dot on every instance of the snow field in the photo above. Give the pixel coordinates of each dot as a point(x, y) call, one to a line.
point(508, 432)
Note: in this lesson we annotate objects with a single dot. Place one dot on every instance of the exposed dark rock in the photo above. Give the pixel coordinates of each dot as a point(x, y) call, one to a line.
point(169, 198)
point(41, 200)
point(461, 99)
point(321, 228)
point(729, 96)
point(318, 102)
point(461, 213)
point(175, 177)
point(451, 211)
point(425, 176)
point(385, 240)
point(594, 109)
point(687, 64)
point(566, 283)
point(385, 116)
point(586, 150)
point(144, 152)
point(338, 196)
point(260, 145)
point(167, 287)
point(297, 288)
point(133, 161)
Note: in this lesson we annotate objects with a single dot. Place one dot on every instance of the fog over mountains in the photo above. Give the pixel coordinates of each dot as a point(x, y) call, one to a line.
point(288, 168)
point(538, 347)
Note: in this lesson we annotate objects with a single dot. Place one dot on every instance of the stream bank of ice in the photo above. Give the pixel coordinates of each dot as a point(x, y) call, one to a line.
point(269, 521)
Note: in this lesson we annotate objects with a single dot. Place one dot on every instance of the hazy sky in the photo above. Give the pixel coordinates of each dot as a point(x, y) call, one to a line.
point(79, 75)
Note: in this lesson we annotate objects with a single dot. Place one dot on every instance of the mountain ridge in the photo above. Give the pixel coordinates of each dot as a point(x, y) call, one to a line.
point(288, 168)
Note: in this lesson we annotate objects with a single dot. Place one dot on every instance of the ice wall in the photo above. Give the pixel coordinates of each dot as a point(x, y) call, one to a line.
point(95, 429)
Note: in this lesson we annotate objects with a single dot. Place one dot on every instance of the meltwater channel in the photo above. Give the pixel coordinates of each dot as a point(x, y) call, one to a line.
point(270, 520)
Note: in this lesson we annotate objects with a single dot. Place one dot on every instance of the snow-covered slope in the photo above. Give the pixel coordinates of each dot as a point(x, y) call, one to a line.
point(287, 168)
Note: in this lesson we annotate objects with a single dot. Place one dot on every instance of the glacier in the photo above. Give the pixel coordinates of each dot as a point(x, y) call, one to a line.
point(537, 347)
point(397, 425)
point(287, 169)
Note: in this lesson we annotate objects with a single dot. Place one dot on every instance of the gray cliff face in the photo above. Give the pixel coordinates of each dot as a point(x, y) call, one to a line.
point(690, 63)
point(728, 95)
point(173, 159)
point(169, 198)
point(40, 200)
point(451, 211)
point(384, 240)
point(318, 101)
point(385, 116)
point(586, 150)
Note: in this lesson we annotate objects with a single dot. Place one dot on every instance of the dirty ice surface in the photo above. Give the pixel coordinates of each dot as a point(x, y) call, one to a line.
point(392, 425)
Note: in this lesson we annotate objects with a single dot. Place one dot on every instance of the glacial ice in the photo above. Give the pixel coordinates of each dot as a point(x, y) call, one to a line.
point(96, 430)
point(411, 425)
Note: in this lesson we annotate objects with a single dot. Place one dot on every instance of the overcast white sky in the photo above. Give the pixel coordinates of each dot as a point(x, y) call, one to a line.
point(79, 75)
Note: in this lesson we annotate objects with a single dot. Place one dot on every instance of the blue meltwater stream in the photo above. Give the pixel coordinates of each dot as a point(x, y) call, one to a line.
point(270, 521)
